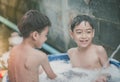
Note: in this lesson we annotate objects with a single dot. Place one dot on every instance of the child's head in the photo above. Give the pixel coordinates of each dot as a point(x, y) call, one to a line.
point(80, 18)
point(32, 21)
point(82, 30)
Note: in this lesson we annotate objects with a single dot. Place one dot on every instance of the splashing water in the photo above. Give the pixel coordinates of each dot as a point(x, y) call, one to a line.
point(113, 54)
point(66, 73)
point(105, 65)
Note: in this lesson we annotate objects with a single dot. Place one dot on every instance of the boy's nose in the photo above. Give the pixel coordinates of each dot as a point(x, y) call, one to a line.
point(83, 35)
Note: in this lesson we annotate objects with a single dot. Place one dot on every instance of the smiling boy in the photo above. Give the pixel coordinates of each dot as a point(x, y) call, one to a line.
point(86, 55)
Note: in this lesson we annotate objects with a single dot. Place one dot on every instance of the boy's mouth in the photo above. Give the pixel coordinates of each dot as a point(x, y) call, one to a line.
point(84, 41)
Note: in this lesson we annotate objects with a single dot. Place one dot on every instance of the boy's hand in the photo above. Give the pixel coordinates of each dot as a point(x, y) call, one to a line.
point(101, 79)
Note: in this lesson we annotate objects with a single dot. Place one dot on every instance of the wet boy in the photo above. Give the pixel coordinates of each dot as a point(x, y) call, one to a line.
point(87, 55)
point(24, 61)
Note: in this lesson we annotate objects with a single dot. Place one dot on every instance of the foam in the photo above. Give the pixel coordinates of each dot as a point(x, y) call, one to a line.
point(65, 73)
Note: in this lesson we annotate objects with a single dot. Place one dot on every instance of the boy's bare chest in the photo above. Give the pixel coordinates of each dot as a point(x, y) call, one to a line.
point(85, 61)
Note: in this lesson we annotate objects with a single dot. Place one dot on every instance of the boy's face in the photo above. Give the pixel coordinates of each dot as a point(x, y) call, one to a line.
point(42, 37)
point(83, 34)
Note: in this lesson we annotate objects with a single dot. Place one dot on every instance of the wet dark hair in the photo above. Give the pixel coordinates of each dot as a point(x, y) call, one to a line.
point(79, 18)
point(32, 21)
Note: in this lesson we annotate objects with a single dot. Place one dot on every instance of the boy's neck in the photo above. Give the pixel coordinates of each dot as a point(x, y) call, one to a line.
point(84, 49)
point(28, 43)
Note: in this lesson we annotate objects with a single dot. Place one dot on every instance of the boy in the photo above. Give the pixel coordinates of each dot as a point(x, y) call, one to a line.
point(24, 61)
point(87, 55)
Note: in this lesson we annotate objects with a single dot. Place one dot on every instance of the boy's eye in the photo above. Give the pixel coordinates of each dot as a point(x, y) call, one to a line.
point(78, 32)
point(89, 31)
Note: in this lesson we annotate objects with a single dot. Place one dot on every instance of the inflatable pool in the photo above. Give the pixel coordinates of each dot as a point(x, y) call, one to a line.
point(55, 59)
point(64, 56)
point(58, 61)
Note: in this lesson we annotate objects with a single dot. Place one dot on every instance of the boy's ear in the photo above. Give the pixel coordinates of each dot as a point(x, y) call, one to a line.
point(35, 35)
point(71, 33)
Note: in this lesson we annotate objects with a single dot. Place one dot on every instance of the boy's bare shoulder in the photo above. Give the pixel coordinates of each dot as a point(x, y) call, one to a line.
point(40, 54)
point(99, 48)
point(71, 50)
point(36, 57)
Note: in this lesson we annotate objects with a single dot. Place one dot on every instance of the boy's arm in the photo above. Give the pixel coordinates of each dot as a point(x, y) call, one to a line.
point(101, 79)
point(40, 70)
point(71, 55)
point(103, 57)
point(47, 68)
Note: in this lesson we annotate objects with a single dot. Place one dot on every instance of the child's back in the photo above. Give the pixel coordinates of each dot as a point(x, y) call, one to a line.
point(25, 59)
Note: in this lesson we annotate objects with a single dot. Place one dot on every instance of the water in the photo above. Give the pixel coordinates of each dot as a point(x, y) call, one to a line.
point(111, 57)
point(66, 73)
point(102, 71)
